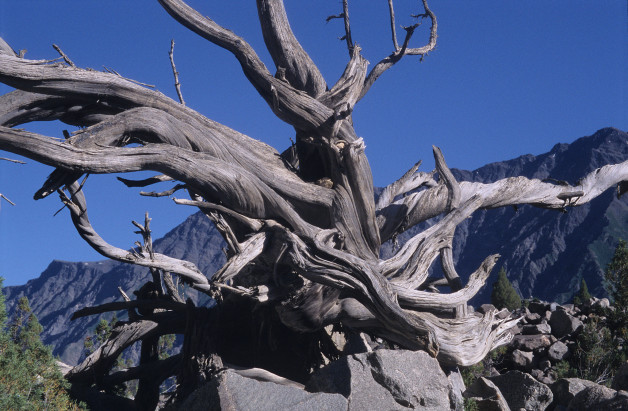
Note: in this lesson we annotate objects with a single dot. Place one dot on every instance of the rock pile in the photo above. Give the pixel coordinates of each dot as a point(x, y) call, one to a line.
point(382, 379)
point(546, 336)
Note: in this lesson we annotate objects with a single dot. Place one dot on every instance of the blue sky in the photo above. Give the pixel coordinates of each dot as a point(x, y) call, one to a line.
point(507, 78)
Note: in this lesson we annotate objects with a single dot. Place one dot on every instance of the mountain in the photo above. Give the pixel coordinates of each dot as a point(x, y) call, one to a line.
point(65, 287)
point(545, 252)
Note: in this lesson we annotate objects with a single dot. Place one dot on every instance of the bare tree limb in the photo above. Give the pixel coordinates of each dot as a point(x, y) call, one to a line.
point(393, 28)
point(7, 200)
point(77, 207)
point(393, 58)
point(12, 161)
point(65, 57)
point(287, 53)
point(177, 85)
point(345, 17)
point(146, 182)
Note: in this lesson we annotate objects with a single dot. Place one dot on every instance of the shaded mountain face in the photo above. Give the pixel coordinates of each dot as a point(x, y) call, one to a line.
point(65, 287)
point(545, 252)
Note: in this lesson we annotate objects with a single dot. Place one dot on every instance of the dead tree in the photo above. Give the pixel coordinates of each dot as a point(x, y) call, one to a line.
point(303, 227)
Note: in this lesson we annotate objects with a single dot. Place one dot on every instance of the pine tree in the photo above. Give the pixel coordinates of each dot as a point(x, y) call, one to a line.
point(616, 277)
point(583, 295)
point(29, 377)
point(504, 294)
point(3, 309)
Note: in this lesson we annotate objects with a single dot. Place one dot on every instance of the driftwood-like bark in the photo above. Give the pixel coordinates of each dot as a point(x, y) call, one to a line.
point(303, 227)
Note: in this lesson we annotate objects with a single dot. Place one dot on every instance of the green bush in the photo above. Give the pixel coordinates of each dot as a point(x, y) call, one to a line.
point(504, 294)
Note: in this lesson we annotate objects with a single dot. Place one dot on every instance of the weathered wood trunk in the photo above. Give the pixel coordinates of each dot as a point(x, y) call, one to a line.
point(303, 227)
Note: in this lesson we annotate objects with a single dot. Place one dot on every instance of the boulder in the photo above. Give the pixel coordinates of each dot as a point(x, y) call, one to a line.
point(601, 303)
point(538, 307)
point(545, 364)
point(231, 391)
point(386, 380)
point(522, 391)
point(541, 328)
point(531, 342)
point(563, 323)
point(486, 308)
point(537, 374)
point(558, 351)
point(487, 395)
point(456, 395)
point(599, 397)
point(533, 318)
point(566, 389)
point(620, 381)
point(522, 359)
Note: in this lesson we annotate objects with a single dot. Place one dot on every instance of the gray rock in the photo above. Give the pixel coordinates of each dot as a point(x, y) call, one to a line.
point(522, 359)
point(566, 389)
point(531, 342)
point(533, 318)
point(386, 380)
point(545, 364)
point(537, 374)
point(456, 395)
point(553, 307)
point(522, 391)
point(487, 395)
point(485, 308)
point(542, 328)
point(563, 323)
point(230, 391)
point(538, 307)
point(570, 308)
point(599, 397)
point(620, 381)
point(558, 351)
point(602, 303)
point(547, 379)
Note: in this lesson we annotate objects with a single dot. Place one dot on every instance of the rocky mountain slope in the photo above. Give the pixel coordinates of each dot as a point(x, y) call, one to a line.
point(545, 252)
point(65, 287)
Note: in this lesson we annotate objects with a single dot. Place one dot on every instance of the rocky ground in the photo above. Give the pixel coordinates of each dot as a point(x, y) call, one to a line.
point(530, 374)
point(371, 376)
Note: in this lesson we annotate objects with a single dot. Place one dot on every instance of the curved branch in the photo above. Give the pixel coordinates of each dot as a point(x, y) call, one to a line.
point(150, 125)
point(98, 364)
point(208, 29)
point(421, 206)
point(286, 51)
point(453, 189)
point(237, 188)
point(328, 266)
point(21, 107)
point(422, 300)
point(411, 180)
point(78, 210)
point(409, 266)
